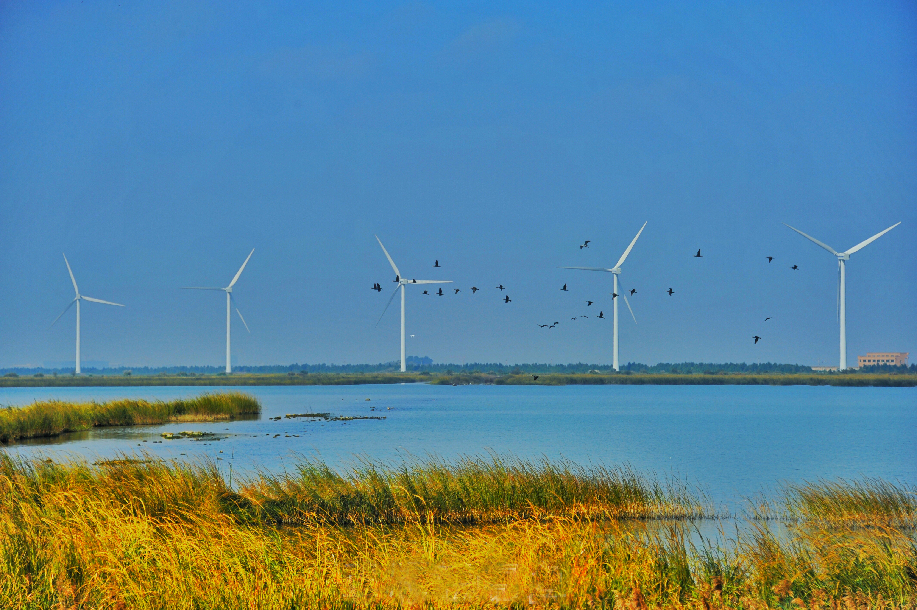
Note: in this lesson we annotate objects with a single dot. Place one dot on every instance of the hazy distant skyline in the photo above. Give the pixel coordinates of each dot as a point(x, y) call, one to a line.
point(156, 145)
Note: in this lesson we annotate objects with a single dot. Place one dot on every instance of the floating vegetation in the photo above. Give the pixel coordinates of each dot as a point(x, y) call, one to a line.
point(55, 417)
point(193, 435)
point(329, 417)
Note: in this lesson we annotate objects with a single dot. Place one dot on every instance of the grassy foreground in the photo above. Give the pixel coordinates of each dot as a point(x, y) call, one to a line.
point(480, 533)
point(51, 418)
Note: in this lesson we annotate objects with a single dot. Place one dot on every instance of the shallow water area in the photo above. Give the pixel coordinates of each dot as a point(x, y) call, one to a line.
point(733, 442)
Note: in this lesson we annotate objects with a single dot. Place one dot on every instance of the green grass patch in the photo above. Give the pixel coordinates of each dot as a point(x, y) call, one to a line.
point(54, 417)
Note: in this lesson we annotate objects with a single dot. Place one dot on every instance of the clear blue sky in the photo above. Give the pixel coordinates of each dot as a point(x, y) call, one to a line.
point(157, 144)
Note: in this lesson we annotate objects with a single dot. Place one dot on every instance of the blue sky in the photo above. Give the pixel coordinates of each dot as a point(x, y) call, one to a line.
point(157, 144)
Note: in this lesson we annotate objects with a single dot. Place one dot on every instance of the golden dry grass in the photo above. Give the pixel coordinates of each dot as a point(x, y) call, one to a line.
point(133, 534)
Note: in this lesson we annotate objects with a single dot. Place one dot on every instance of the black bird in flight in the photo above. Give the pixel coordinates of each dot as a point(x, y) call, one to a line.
point(671, 292)
point(614, 295)
point(633, 291)
point(397, 278)
point(756, 338)
point(506, 299)
point(542, 325)
point(440, 293)
point(585, 244)
point(377, 287)
point(770, 258)
point(588, 303)
point(425, 292)
point(795, 267)
point(565, 288)
point(766, 319)
point(436, 263)
point(534, 377)
point(573, 318)
point(602, 315)
point(474, 289)
point(456, 290)
point(501, 287)
point(698, 255)
point(553, 325)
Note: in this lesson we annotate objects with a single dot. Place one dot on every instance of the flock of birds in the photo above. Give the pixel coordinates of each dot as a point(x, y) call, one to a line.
point(378, 288)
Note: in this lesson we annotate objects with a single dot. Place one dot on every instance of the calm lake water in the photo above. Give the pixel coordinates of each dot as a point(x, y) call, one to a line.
point(731, 441)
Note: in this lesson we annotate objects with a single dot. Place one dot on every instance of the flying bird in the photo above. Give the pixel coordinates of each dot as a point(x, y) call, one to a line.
point(770, 258)
point(474, 289)
point(766, 319)
point(397, 279)
point(573, 318)
point(506, 299)
point(698, 254)
point(456, 290)
point(436, 263)
point(543, 325)
point(501, 287)
point(412, 336)
point(588, 303)
point(633, 291)
point(602, 315)
point(534, 377)
point(585, 244)
point(440, 293)
point(565, 288)
point(377, 287)
point(795, 267)
point(671, 292)
point(614, 295)
point(425, 292)
point(756, 338)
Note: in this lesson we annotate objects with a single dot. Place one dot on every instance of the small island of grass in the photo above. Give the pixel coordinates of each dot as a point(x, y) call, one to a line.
point(55, 417)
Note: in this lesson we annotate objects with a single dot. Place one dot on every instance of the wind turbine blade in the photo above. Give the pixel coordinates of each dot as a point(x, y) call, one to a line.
point(624, 294)
point(72, 279)
point(200, 288)
point(389, 301)
point(430, 282)
point(101, 301)
point(390, 261)
point(239, 272)
point(626, 252)
point(589, 268)
point(233, 299)
point(63, 312)
point(825, 246)
point(871, 239)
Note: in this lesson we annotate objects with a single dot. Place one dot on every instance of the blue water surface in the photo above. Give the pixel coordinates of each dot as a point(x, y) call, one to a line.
point(731, 441)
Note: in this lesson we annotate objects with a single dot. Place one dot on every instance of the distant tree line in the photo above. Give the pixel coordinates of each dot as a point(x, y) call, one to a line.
point(425, 364)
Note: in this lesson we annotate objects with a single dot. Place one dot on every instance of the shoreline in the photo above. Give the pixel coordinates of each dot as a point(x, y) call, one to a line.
point(551, 379)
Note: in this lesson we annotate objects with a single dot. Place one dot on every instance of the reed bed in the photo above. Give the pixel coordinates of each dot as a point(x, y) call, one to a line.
point(471, 491)
point(154, 535)
point(54, 417)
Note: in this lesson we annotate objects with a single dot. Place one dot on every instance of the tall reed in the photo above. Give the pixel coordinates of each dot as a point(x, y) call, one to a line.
point(54, 417)
point(157, 535)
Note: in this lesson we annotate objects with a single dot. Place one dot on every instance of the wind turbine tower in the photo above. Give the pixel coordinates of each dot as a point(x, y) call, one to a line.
point(230, 301)
point(616, 270)
point(842, 258)
point(77, 300)
point(401, 284)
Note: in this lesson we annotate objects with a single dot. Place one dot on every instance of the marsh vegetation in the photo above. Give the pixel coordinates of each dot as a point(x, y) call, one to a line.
point(479, 532)
point(53, 417)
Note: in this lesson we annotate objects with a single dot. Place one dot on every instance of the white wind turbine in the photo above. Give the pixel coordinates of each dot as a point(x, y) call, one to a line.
point(616, 271)
point(77, 300)
point(401, 284)
point(229, 302)
point(842, 258)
